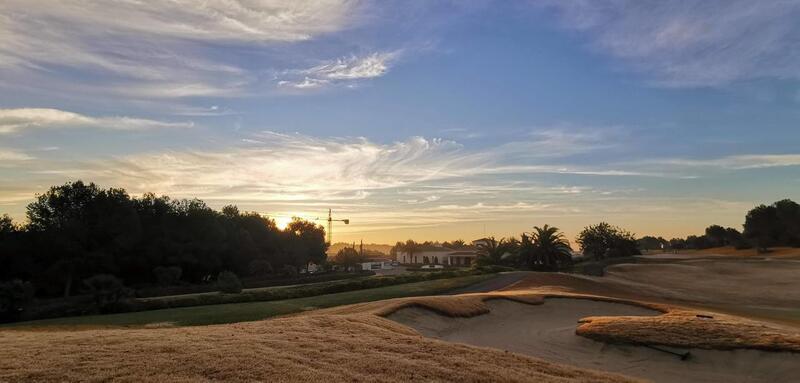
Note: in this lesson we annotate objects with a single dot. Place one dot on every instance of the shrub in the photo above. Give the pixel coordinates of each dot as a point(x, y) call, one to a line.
point(107, 290)
point(168, 276)
point(229, 283)
point(493, 269)
point(14, 296)
point(259, 267)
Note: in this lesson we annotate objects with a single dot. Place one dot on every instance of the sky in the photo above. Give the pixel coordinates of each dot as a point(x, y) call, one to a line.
point(432, 120)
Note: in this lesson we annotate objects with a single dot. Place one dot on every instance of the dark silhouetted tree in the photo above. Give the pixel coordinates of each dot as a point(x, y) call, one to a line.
point(348, 258)
point(545, 249)
point(603, 241)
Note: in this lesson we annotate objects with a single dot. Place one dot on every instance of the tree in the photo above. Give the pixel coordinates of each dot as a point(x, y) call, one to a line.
point(652, 243)
point(305, 242)
point(348, 258)
point(698, 242)
point(788, 215)
point(546, 249)
point(717, 236)
point(603, 240)
point(736, 239)
point(7, 225)
point(762, 226)
point(68, 215)
point(455, 245)
point(677, 243)
point(494, 252)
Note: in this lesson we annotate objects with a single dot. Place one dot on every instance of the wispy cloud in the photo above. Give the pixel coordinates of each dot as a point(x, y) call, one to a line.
point(287, 167)
point(695, 42)
point(15, 120)
point(146, 49)
point(11, 155)
point(345, 70)
point(273, 166)
point(405, 185)
point(739, 162)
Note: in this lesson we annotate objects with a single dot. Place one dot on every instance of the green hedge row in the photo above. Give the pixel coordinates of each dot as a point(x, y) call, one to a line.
point(248, 283)
point(280, 293)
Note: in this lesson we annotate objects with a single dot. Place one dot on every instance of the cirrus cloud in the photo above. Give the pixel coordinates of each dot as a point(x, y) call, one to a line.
point(695, 42)
point(15, 120)
point(142, 50)
point(341, 70)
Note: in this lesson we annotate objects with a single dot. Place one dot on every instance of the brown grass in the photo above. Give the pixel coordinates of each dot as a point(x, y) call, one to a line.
point(351, 345)
point(356, 343)
point(683, 328)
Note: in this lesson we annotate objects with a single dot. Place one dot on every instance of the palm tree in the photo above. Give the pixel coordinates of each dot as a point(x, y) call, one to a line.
point(409, 247)
point(546, 248)
point(494, 252)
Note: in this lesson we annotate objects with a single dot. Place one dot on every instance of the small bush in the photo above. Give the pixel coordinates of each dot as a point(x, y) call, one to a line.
point(493, 269)
point(107, 290)
point(14, 297)
point(229, 283)
point(168, 276)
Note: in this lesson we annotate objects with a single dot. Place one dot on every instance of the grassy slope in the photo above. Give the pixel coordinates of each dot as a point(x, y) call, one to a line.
point(775, 252)
point(250, 311)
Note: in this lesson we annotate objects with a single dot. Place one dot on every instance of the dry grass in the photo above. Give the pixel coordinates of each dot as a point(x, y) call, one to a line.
point(683, 328)
point(356, 343)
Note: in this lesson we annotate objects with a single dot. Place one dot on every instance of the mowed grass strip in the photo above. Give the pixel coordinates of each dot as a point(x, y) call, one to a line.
point(251, 311)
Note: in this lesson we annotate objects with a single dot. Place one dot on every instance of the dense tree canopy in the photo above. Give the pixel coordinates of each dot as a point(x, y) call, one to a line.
point(349, 258)
point(765, 226)
point(774, 225)
point(79, 230)
point(604, 241)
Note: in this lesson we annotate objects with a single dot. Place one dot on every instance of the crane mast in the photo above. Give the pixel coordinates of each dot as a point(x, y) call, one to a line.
point(330, 226)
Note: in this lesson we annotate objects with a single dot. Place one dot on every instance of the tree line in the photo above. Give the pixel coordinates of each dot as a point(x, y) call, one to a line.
point(765, 226)
point(544, 248)
point(78, 231)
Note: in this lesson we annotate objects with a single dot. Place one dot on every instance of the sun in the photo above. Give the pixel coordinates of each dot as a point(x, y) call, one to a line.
point(283, 221)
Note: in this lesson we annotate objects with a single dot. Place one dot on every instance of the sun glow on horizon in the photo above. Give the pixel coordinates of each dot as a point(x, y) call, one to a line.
point(282, 221)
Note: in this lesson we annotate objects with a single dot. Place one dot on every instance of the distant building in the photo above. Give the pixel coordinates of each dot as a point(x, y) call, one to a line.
point(377, 264)
point(438, 255)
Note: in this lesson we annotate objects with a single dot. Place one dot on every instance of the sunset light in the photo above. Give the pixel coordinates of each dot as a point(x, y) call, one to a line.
point(447, 167)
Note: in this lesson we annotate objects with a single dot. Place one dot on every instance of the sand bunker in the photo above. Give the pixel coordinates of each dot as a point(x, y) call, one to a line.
point(548, 331)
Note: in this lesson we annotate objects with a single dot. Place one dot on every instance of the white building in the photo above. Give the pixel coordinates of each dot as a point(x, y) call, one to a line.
point(377, 264)
point(438, 256)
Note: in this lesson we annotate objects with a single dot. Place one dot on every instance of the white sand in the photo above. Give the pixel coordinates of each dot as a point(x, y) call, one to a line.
point(548, 331)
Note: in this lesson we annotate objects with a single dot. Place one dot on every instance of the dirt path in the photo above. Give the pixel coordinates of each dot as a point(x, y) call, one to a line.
point(501, 281)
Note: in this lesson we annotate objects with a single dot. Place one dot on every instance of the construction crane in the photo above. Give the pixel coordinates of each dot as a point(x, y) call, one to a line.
point(330, 225)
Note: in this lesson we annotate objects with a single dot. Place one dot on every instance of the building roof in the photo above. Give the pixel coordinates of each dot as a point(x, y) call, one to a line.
point(463, 252)
point(378, 260)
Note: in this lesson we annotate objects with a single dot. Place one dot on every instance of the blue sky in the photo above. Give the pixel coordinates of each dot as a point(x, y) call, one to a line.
point(424, 119)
